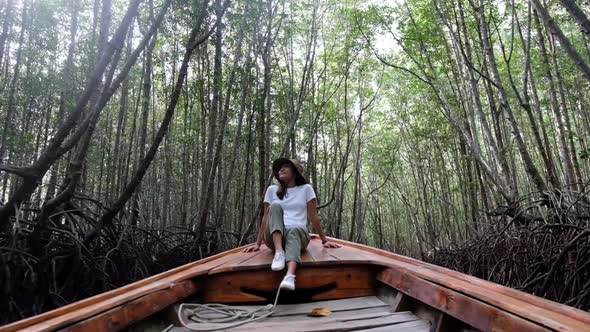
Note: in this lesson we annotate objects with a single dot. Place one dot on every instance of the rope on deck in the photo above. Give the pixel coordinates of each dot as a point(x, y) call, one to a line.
point(215, 317)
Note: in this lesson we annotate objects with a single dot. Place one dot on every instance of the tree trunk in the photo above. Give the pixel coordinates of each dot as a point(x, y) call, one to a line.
point(34, 173)
point(578, 180)
point(145, 111)
point(223, 194)
point(261, 120)
point(7, 22)
point(8, 126)
point(578, 14)
point(530, 167)
point(216, 108)
point(558, 119)
point(194, 40)
point(356, 220)
point(114, 178)
point(66, 94)
point(563, 40)
point(529, 80)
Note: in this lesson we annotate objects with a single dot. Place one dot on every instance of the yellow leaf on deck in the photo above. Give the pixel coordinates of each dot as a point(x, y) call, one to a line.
point(320, 312)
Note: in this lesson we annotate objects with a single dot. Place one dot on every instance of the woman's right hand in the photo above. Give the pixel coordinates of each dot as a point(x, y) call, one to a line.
point(252, 248)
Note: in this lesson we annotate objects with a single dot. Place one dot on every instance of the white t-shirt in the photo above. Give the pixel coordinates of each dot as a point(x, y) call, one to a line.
point(294, 203)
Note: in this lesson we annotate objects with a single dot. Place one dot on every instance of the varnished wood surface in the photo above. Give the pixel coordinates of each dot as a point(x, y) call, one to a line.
point(131, 312)
point(548, 314)
point(518, 306)
point(313, 283)
point(315, 254)
point(475, 313)
point(387, 258)
point(58, 318)
point(436, 282)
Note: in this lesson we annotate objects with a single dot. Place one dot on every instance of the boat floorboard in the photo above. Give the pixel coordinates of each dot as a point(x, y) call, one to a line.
point(353, 314)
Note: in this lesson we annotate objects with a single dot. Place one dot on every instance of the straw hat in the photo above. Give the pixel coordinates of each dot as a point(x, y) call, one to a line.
point(295, 164)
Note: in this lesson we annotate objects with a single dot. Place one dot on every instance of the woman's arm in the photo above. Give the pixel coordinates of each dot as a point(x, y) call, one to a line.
point(259, 239)
point(312, 214)
point(263, 225)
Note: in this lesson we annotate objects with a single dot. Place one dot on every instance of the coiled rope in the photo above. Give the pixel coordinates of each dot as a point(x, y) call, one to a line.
point(215, 317)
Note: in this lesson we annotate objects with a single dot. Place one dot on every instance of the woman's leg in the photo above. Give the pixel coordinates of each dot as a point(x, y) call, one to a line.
point(277, 240)
point(273, 236)
point(296, 240)
point(291, 267)
point(275, 228)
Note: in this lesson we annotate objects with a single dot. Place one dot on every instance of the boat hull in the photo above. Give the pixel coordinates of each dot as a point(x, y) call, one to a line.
point(446, 299)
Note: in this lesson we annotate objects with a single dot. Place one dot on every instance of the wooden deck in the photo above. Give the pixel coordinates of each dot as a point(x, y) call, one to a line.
point(315, 255)
point(356, 314)
point(481, 304)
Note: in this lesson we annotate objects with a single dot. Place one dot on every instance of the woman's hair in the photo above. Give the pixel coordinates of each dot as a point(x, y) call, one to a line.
point(282, 190)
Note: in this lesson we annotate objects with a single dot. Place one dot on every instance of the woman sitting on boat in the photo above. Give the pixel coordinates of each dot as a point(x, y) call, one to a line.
point(287, 207)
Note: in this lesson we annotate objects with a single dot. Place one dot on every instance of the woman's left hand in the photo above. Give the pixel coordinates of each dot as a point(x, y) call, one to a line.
point(331, 245)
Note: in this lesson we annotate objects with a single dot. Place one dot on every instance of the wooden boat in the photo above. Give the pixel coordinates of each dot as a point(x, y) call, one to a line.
point(365, 288)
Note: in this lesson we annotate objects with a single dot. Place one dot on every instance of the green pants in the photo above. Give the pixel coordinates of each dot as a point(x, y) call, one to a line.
point(295, 240)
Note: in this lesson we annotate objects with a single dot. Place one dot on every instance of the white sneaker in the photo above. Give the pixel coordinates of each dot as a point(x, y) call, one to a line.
point(288, 282)
point(278, 263)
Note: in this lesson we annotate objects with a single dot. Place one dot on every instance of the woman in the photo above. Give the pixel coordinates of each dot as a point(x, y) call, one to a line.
point(287, 207)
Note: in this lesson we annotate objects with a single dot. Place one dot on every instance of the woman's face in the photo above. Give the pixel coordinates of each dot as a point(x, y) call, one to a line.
point(285, 173)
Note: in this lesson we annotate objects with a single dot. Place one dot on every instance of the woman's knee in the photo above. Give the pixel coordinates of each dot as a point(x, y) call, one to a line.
point(293, 250)
point(276, 207)
point(295, 239)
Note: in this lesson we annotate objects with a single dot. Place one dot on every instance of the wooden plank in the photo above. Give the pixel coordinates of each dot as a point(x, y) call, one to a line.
point(351, 281)
point(120, 317)
point(330, 325)
point(258, 259)
point(530, 299)
point(306, 258)
point(116, 292)
point(221, 257)
point(321, 255)
point(339, 293)
point(334, 305)
point(313, 283)
point(347, 316)
point(534, 313)
point(280, 323)
point(475, 313)
point(550, 314)
point(541, 314)
point(525, 300)
point(264, 259)
point(350, 255)
point(83, 310)
point(474, 288)
point(326, 321)
point(91, 310)
point(364, 313)
point(412, 326)
point(315, 254)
